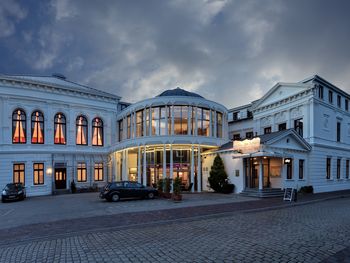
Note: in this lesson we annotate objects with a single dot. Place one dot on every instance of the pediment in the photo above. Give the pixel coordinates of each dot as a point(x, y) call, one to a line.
point(280, 91)
point(290, 141)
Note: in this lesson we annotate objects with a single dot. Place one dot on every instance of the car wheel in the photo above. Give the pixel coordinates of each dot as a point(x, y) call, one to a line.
point(150, 195)
point(115, 198)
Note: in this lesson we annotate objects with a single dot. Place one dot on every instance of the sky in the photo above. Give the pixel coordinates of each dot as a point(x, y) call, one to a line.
point(231, 52)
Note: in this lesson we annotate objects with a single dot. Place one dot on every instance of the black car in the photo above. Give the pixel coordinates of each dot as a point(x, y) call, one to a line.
point(127, 189)
point(13, 191)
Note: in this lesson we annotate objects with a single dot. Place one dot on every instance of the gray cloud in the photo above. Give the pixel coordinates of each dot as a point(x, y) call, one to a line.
point(228, 51)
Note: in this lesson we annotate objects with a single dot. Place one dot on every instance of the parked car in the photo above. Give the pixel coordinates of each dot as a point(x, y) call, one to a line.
point(127, 189)
point(13, 191)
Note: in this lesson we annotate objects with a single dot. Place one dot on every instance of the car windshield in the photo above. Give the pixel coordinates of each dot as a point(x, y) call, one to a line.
point(12, 187)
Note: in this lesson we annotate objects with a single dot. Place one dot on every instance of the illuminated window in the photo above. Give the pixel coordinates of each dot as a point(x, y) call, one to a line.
point(139, 123)
point(18, 173)
point(147, 122)
point(203, 122)
point(37, 127)
point(98, 171)
point(19, 126)
point(81, 124)
point(38, 173)
point(219, 125)
point(180, 120)
point(60, 129)
point(81, 172)
point(97, 132)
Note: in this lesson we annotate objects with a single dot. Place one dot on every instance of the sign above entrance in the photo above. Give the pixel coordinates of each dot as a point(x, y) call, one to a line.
point(247, 146)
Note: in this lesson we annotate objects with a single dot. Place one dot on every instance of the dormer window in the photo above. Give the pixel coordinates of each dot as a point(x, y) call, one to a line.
point(330, 96)
point(320, 92)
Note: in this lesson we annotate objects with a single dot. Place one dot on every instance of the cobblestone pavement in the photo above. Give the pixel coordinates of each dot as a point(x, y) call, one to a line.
point(314, 232)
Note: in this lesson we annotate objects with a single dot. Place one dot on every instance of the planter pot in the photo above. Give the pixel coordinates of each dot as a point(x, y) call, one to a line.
point(177, 197)
point(166, 195)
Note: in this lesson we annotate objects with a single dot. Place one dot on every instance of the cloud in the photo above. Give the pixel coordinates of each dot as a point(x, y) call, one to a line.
point(10, 14)
point(231, 52)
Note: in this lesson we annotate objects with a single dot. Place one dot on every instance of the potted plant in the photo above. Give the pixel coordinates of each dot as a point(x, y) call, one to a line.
point(73, 187)
point(160, 185)
point(167, 188)
point(177, 189)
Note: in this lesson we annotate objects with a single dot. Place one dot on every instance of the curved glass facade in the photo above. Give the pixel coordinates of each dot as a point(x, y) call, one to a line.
point(171, 120)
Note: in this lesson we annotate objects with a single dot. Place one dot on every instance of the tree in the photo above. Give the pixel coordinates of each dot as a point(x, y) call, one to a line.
point(218, 177)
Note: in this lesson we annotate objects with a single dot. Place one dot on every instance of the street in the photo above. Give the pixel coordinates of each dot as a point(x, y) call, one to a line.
point(313, 232)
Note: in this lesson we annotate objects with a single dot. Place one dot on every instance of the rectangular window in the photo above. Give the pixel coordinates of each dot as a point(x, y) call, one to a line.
point(330, 96)
point(235, 116)
point(301, 169)
point(19, 173)
point(346, 105)
point(219, 124)
point(320, 92)
point(139, 123)
point(267, 130)
point(282, 126)
point(162, 121)
point(169, 108)
point(338, 131)
point(98, 171)
point(120, 130)
point(347, 169)
point(328, 168)
point(249, 135)
point(339, 101)
point(128, 124)
point(147, 121)
point(298, 126)
point(338, 168)
point(290, 170)
point(38, 173)
point(236, 136)
point(81, 172)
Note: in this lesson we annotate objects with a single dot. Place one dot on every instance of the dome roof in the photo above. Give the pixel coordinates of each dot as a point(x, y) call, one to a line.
point(178, 92)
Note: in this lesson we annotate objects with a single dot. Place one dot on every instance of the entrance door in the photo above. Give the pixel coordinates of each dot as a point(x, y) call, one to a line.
point(60, 178)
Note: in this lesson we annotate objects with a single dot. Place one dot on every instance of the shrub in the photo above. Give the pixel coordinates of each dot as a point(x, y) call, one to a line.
point(167, 185)
point(228, 188)
point(218, 177)
point(306, 189)
point(160, 185)
point(73, 187)
point(177, 186)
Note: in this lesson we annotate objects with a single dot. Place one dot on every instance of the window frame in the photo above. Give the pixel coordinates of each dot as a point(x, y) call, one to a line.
point(19, 170)
point(63, 123)
point(328, 168)
point(99, 128)
point(37, 175)
point(81, 167)
point(301, 169)
point(100, 172)
point(84, 130)
point(19, 113)
point(41, 125)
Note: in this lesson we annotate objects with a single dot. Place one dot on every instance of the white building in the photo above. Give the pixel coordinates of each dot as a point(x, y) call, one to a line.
point(304, 138)
point(54, 131)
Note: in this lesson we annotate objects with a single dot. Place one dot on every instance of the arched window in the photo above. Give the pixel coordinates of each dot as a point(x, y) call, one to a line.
point(37, 127)
point(81, 124)
point(60, 129)
point(19, 126)
point(97, 132)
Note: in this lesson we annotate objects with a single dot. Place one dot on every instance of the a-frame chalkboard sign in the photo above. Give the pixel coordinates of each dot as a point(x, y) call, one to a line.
point(288, 194)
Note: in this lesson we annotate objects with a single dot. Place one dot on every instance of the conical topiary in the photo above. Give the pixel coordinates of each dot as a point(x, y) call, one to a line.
point(218, 176)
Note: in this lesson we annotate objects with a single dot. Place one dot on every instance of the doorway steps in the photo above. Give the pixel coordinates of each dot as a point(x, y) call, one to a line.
point(264, 193)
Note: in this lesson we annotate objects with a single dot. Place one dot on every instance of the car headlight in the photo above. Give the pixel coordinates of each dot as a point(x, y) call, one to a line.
point(4, 192)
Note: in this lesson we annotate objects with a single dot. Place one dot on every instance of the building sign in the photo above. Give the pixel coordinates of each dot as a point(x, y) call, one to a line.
point(247, 146)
